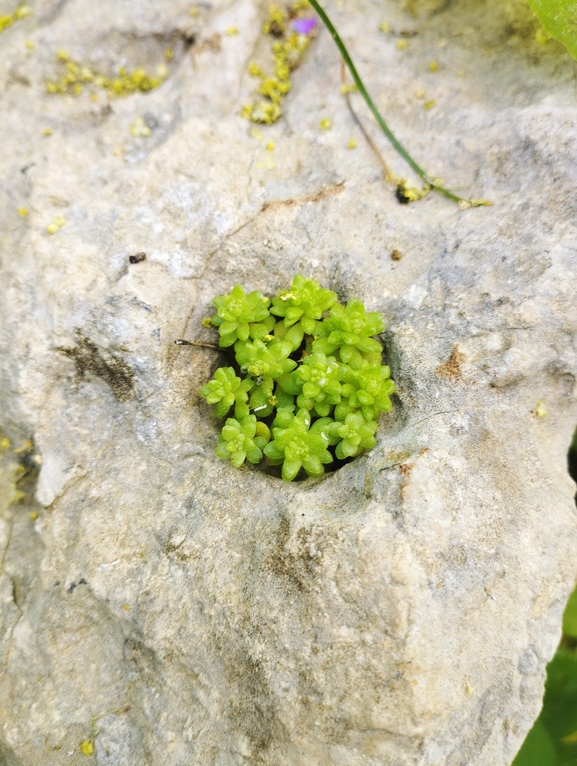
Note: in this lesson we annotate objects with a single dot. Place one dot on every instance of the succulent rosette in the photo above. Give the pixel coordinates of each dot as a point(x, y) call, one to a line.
point(225, 390)
point(321, 388)
point(355, 433)
point(304, 302)
point(348, 330)
point(299, 446)
point(261, 359)
point(372, 389)
point(243, 440)
point(240, 316)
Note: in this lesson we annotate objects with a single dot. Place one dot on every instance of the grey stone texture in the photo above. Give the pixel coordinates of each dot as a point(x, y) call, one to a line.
point(399, 611)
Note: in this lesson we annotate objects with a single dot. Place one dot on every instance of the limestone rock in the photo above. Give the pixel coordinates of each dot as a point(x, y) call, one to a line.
point(399, 611)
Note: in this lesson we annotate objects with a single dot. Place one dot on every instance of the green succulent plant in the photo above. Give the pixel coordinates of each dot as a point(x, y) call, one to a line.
point(243, 440)
point(227, 389)
point(265, 360)
point(356, 434)
point(240, 316)
point(314, 377)
point(304, 302)
point(297, 445)
point(349, 329)
point(321, 387)
point(372, 387)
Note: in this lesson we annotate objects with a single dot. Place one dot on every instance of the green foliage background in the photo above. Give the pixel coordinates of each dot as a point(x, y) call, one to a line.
point(559, 19)
point(553, 739)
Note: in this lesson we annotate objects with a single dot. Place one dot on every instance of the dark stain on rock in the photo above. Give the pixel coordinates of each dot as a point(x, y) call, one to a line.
point(301, 563)
point(453, 367)
point(90, 360)
point(139, 657)
point(253, 711)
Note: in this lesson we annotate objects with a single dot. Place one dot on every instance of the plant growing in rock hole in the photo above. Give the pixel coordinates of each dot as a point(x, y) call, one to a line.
point(308, 386)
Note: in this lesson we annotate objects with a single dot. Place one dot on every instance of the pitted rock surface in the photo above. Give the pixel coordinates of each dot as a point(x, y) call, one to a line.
point(402, 609)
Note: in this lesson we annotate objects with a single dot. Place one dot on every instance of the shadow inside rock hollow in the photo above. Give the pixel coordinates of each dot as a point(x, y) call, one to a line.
point(572, 460)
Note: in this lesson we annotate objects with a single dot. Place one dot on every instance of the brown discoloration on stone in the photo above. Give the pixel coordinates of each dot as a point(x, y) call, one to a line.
point(211, 44)
point(326, 191)
point(452, 368)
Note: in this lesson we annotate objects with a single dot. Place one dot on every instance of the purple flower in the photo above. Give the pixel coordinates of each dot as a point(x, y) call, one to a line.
point(304, 26)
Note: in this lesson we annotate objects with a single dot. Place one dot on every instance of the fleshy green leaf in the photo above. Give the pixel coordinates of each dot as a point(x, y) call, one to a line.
point(538, 749)
point(558, 18)
point(570, 616)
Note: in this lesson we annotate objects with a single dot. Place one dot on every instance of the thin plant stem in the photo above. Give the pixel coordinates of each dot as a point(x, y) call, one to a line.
point(430, 182)
point(389, 176)
point(199, 343)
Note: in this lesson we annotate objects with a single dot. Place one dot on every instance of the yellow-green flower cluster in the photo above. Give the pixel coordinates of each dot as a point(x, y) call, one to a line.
point(7, 19)
point(76, 76)
point(287, 48)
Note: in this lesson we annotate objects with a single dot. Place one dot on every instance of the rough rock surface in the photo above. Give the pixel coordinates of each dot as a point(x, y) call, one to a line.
point(400, 611)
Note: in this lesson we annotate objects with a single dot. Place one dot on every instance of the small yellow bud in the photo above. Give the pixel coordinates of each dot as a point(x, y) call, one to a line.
point(231, 31)
point(428, 105)
point(168, 54)
point(540, 410)
point(402, 44)
point(23, 211)
point(434, 66)
point(541, 36)
point(325, 124)
point(270, 146)
point(254, 70)
point(352, 144)
point(22, 12)
point(87, 747)
point(194, 11)
point(56, 224)
point(385, 27)
point(139, 129)
point(29, 45)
